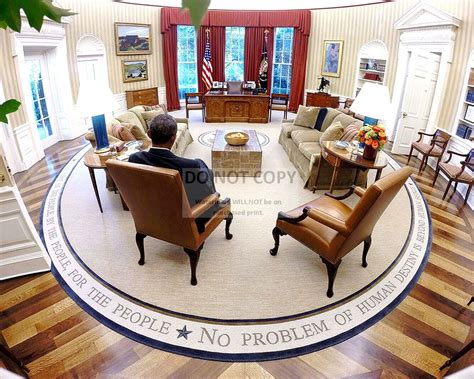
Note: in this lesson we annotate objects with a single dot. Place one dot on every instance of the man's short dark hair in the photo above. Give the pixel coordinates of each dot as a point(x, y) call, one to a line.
point(162, 128)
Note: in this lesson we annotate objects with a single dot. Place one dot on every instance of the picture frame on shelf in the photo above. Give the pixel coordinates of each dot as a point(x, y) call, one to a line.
point(332, 58)
point(469, 116)
point(371, 64)
point(134, 70)
point(132, 39)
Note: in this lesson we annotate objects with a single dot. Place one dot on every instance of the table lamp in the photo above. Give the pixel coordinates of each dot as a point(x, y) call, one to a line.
point(373, 102)
point(94, 100)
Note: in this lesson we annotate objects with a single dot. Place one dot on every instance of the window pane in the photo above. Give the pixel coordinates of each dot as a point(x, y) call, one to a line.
point(39, 83)
point(47, 123)
point(44, 108)
point(281, 80)
point(234, 53)
point(187, 65)
point(41, 130)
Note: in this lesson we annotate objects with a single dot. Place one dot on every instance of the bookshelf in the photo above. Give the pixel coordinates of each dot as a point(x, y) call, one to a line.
point(371, 65)
point(465, 120)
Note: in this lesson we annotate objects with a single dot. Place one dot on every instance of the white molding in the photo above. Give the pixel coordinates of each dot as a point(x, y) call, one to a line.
point(28, 145)
point(423, 28)
point(424, 15)
point(121, 99)
point(162, 95)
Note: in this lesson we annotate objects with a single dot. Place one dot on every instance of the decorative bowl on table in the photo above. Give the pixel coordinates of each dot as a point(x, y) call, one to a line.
point(236, 138)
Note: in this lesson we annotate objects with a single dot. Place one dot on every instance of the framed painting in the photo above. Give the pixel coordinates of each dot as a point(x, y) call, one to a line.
point(134, 70)
point(332, 58)
point(132, 39)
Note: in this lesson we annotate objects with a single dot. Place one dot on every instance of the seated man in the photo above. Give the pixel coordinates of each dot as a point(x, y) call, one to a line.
point(198, 179)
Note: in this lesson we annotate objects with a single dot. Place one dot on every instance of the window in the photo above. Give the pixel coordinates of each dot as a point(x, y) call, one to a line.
point(234, 53)
point(43, 122)
point(282, 60)
point(187, 65)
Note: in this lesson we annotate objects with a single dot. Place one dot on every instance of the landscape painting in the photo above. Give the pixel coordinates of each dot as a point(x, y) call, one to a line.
point(132, 39)
point(134, 70)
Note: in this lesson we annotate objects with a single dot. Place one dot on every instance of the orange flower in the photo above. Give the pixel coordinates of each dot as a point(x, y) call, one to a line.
point(361, 132)
point(362, 139)
point(375, 144)
point(368, 141)
point(382, 134)
point(376, 129)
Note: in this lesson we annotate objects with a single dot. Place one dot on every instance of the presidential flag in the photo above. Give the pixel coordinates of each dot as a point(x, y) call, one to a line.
point(206, 64)
point(263, 69)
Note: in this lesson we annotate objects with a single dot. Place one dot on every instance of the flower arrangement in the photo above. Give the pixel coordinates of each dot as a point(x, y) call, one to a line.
point(373, 136)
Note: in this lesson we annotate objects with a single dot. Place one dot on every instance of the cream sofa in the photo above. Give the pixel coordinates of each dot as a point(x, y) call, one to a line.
point(134, 118)
point(303, 148)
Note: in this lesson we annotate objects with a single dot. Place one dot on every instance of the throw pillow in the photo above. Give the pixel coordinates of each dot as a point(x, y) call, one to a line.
point(321, 116)
point(148, 116)
point(332, 133)
point(119, 131)
point(306, 116)
point(350, 133)
point(137, 132)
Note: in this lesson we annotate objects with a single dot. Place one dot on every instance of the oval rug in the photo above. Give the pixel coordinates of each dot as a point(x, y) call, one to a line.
point(248, 305)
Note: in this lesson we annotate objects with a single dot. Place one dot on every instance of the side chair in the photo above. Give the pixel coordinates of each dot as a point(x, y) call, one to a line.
point(435, 148)
point(456, 173)
point(160, 208)
point(279, 102)
point(332, 229)
point(194, 101)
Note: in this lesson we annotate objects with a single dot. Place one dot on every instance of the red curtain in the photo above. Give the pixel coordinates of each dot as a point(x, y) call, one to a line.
point(170, 66)
point(300, 20)
point(217, 41)
point(298, 67)
point(253, 47)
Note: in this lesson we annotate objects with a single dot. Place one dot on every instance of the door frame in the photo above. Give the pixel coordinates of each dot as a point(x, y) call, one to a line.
point(423, 28)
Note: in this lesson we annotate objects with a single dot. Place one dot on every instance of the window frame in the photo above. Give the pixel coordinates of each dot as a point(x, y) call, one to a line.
point(230, 49)
point(280, 64)
point(182, 89)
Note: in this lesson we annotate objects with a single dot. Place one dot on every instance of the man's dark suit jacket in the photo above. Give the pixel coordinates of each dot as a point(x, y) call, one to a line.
point(197, 178)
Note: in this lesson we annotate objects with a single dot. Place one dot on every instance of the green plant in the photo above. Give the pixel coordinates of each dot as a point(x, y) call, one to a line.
point(10, 17)
point(197, 10)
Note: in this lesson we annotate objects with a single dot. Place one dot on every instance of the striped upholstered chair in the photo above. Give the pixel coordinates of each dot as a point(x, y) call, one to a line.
point(456, 173)
point(435, 148)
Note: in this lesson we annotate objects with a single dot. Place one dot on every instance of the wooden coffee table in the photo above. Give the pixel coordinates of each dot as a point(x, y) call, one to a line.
point(93, 162)
point(339, 158)
point(228, 160)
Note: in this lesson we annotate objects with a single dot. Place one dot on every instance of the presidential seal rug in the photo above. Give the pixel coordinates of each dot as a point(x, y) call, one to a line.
point(248, 305)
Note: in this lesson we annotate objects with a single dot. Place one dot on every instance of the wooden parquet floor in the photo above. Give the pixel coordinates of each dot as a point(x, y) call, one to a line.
point(54, 337)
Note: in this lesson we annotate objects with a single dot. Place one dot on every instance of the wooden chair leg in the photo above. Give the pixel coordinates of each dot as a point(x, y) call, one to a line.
point(270, 115)
point(332, 271)
point(276, 232)
point(436, 174)
point(139, 239)
point(409, 155)
point(187, 113)
point(447, 188)
point(424, 161)
point(194, 260)
point(367, 244)
point(455, 187)
point(467, 193)
point(228, 221)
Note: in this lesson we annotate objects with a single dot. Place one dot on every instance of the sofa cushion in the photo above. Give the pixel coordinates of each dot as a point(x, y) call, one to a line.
point(148, 116)
point(300, 136)
point(182, 126)
point(309, 148)
point(321, 116)
point(156, 107)
point(287, 128)
point(332, 113)
point(306, 116)
point(333, 133)
point(130, 118)
point(137, 132)
point(344, 119)
point(350, 132)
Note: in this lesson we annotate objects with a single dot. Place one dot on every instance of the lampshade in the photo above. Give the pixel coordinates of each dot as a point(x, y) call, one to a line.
point(94, 99)
point(373, 101)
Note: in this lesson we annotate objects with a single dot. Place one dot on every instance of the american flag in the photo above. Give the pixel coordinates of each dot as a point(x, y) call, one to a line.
point(206, 65)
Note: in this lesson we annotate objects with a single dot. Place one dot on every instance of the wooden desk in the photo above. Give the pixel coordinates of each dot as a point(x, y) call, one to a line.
point(321, 99)
point(339, 158)
point(243, 107)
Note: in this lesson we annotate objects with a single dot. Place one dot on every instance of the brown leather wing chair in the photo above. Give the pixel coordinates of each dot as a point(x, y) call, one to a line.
point(159, 206)
point(332, 229)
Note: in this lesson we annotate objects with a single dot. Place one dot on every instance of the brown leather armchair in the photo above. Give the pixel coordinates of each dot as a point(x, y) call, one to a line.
point(159, 206)
point(332, 229)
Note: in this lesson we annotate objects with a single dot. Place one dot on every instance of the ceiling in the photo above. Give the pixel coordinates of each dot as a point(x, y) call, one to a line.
point(262, 4)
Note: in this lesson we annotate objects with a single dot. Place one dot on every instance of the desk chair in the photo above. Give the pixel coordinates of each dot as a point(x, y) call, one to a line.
point(159, 206)
point(332, 229)
point(235, 87)
point(195, 101)
point(279, 102)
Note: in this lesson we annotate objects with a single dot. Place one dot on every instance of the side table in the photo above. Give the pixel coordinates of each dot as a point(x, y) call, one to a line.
point(339, 158)
point(93, 162)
